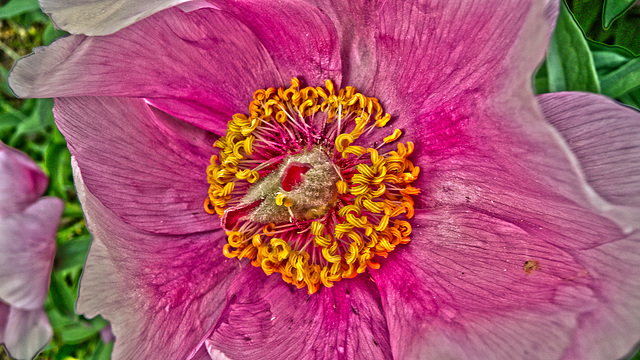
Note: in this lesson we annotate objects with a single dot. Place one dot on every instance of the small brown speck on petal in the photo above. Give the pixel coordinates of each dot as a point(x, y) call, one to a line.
point(531, 266)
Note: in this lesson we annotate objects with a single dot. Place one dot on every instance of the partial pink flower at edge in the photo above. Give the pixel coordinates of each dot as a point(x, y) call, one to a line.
point(525, 239)
point(28, 227)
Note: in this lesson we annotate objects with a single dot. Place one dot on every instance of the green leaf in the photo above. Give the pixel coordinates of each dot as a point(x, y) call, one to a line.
point(613, 9)
point(17, 7)
point(50, 33)
point(57, 164)
point(570, 65)
point(78, 333)
point(63, 295)
point(57, 320)
point(622, 80)
point(631, 98)
point(72, 253)
point(608, 58)
point(102, 351)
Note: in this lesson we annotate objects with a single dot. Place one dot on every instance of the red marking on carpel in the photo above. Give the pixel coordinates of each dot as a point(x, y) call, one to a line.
point(234, 215)
point(293, 175)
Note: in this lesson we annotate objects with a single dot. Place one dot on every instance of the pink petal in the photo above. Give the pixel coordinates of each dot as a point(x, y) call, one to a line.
point(442, 52)
point(101, 17)
point(24, 333)
point(22, 182)
point(355, 22)
point(195, 71)
point(266, 318)
point(161, 293)
point(27, 248)
point(145, 166)
point(605, 138)
point(186, 58)
point(467, 292)
point(299, 37)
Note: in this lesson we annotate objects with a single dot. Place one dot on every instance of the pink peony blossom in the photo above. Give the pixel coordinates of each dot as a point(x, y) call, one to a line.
point(28, 226)
point(525, 233)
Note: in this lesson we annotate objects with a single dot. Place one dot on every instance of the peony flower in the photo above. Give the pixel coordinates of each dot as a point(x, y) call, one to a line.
point(384, 184)
point(28, 226)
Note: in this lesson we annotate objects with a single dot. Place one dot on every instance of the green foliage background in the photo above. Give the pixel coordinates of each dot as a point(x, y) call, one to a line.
point(606, 61)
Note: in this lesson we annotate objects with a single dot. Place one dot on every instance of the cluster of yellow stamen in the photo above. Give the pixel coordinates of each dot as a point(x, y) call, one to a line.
point(363, 218)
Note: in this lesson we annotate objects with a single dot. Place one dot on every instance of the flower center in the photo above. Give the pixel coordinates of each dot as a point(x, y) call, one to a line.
point(298, 196)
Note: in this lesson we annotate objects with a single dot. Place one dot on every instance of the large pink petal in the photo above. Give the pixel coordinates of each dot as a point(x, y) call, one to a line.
point(22, 182)
point(171, 55)
point(299, 37)
point(431, 53)
point(100, 17)
point(144, 165)
point(27, 248)
point(194, 71)
point(605, 138)
point(267, 318)
point(24, 333)
point(468, 294)
point(161, 293)
point(355, 22)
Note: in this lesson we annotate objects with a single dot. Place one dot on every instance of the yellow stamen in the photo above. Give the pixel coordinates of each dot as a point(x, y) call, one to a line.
point(364, 219)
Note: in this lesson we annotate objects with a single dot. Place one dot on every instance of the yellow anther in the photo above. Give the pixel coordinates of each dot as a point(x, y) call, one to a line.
point(383, 121)
point(360, 179)
point(366, 170)
point(303, 107)
point(254, 177)
point(281, 117)
point(342, 229)
point(280, 199)
point(353, 149)
point(347, 209)
point(342, 187)
point(332, 258)
point(384, 222)
point(256, 240)
point(343, 141)
point(329, 86)
point(317, 228)
point(243, 174)
point(379, 191)
point(359, 189)
point(322, 241)
point(356, 222)
point(268, 229)
point(393, 137)
point(228, 189)
point(248, 142)
point(207, 204)
point(373, 206)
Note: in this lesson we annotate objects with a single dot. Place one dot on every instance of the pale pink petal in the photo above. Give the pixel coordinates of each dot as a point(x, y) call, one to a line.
point(266, 318)
point(160, 293)
point(101, 17)
point(612, 329)
point(144, 165)
point(21, 183)
point(605, 138)
point(27, 248)
point(24, 333)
